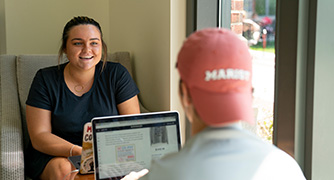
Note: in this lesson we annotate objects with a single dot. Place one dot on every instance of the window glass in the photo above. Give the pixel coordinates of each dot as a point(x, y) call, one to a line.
point(254, 20)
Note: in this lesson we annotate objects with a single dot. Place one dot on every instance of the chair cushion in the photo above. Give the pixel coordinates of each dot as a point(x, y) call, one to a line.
point(26, 68)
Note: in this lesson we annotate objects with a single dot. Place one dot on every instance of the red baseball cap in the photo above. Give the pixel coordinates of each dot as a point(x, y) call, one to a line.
point(216, 66)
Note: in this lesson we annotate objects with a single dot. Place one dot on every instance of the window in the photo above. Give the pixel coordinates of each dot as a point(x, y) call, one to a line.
point(255, 21)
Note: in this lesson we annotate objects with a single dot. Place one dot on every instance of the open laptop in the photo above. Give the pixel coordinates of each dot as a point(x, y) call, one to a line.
point(122, 144)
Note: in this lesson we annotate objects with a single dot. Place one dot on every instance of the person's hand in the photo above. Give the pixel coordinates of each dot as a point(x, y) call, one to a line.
point(135, 175)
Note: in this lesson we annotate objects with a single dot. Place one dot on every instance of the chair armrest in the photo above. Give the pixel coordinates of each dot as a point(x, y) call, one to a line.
point(11, 138)
point(12, 160)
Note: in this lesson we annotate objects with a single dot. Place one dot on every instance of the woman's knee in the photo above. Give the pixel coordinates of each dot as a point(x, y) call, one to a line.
point(57, 168)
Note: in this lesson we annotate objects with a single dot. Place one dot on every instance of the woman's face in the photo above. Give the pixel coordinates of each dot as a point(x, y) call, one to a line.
point(84, 47)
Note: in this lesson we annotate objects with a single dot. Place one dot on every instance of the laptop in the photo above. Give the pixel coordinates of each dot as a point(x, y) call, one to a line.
point(126, 143)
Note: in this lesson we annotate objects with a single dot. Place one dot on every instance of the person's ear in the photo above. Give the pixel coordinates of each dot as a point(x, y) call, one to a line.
point(185, 95)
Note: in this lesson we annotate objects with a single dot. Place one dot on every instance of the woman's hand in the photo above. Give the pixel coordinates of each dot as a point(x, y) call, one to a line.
point(135, 175)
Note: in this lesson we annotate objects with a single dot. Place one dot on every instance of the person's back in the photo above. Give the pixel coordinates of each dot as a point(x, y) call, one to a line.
point(226, 153)
point(215, 69)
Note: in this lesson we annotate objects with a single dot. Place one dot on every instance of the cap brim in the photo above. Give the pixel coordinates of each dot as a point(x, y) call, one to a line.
point(217, 109)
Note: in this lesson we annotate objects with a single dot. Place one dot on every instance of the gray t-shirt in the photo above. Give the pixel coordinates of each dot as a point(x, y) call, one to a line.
point(226, 153)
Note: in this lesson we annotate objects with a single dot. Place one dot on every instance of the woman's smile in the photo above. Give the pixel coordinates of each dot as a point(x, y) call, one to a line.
point(84, 47)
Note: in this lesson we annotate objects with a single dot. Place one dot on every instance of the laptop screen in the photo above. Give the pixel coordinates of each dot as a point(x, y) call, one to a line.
point(128, 143)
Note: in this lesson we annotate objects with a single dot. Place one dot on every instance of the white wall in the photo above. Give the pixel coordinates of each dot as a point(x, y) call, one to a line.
point(153, 31)
point(323, 121)
point(178, 35)
point(35, 26)
point(143, 28)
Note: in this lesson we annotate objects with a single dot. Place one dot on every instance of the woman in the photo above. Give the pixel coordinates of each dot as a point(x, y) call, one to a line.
point(64, 97)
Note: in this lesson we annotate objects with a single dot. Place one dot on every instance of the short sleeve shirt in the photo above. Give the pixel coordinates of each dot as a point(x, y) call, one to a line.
point(112, 86)
point(226, 153)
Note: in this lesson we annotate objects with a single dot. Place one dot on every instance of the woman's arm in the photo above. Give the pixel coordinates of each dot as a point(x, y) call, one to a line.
point(39, 128)
point(130, 106)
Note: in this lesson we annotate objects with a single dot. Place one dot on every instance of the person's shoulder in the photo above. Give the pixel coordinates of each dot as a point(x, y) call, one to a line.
point(114, 68)
point(281, 164)
point(110, 64)
point(280, 155)
point(52, 69)
point(171, 166)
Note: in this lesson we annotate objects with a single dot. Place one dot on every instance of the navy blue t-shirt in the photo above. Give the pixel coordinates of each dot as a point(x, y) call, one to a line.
point(69, 112)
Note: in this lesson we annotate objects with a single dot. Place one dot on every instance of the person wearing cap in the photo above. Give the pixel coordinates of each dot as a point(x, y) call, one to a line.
point(215, 68)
